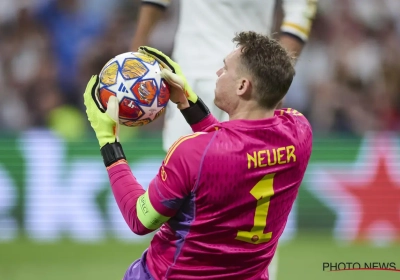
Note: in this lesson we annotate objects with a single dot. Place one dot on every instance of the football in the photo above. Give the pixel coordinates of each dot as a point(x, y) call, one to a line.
point(134, 78)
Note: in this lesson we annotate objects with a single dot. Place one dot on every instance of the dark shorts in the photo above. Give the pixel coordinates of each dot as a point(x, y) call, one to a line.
point(138, 270)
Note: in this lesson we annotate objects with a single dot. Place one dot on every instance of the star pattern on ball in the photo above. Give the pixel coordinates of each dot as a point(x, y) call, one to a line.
point(136, 81)
point(151, 111)
point(124, 88)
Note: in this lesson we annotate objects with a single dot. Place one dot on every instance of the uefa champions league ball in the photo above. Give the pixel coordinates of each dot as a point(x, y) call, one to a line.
point(134, 78)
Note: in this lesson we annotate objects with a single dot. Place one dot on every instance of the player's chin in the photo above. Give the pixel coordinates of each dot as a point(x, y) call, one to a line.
point(220, 105)
point(217, 97)
point(216, 102)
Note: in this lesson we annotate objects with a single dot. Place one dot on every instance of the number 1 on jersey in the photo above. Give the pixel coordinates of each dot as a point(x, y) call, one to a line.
point(262, 192)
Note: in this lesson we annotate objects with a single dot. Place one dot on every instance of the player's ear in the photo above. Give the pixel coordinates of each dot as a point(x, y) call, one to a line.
point(243, 87)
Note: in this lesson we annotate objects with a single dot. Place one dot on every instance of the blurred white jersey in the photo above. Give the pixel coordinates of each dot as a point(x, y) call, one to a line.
point(206, 28)
point(204, 36)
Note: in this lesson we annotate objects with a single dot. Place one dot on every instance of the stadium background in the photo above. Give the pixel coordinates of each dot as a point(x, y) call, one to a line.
point(58, 219)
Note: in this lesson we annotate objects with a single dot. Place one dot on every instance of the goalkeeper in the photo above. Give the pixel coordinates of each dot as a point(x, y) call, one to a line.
point(222, 196)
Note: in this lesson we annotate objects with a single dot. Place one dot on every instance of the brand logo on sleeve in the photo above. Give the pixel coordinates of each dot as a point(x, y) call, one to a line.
point(143, 205)
point(163, 174)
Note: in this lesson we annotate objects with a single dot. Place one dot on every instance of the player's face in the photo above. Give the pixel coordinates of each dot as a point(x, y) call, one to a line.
point(227, 82)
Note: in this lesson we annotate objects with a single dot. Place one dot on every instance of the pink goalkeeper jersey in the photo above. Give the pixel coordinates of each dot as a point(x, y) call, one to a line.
point(230, 187)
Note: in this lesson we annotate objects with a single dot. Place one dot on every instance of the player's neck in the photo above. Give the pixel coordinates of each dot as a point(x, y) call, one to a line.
point(251, 113)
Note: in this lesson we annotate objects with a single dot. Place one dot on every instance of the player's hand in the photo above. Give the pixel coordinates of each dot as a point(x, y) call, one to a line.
point(173, 74)
point(105, 123)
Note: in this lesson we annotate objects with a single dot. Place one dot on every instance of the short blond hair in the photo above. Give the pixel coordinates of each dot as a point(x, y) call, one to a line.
point(269, 64)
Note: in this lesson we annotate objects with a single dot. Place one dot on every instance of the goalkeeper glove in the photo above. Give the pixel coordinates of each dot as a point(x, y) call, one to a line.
point(105, 123)
point(173, 74)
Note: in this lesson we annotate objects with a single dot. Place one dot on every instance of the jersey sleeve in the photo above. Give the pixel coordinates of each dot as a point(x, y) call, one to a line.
point(126, 191)
point(288, 111)
point(298, 17)
point(174, 182)
point(207, 124)
point(295, 116)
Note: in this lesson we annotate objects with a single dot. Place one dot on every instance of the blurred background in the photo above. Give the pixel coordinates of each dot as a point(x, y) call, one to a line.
point(58, 219)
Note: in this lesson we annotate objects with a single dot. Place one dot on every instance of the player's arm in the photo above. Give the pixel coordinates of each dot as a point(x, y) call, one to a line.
point(146, 211)
point(296, 25)
point(150, 13)
point(194, 110)
point(128, 193)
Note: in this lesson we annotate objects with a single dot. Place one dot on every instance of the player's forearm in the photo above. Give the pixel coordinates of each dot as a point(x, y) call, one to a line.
point(297, 23)
point(149, 15)
point(126, 192)
point(292, 44)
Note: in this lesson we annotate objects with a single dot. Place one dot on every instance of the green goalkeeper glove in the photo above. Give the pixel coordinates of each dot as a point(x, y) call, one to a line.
point(193, 111)
point(105, 123)
point(172, 72)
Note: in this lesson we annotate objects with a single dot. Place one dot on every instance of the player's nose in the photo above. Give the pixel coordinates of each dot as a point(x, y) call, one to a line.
point(219, 72)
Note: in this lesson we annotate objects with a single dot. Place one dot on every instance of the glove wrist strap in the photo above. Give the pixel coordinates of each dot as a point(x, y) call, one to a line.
point(112, 153)
point(196, 112)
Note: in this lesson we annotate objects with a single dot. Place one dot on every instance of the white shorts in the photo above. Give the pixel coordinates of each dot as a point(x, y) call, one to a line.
point(175, 125)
